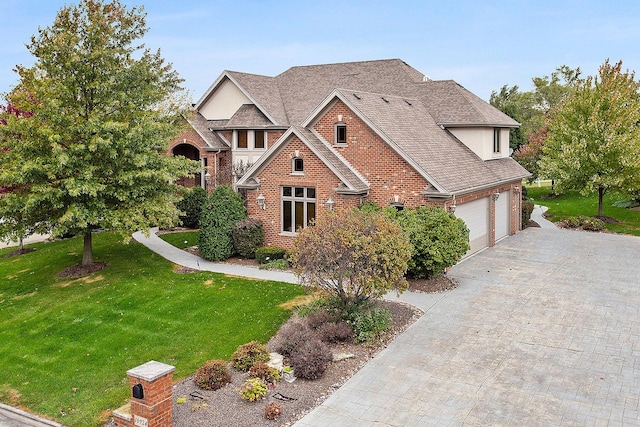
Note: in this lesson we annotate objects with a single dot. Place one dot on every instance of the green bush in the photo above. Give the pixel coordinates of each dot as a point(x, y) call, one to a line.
point(191, 204)
point(439, 239)
point(213, 375)
point(369, 325)
point(248, 354)
point(275, 264)
point(223, 208)
point(248, 235)
point(253, 389)
point(269, 253)
point(527, 209)
point(592, 224)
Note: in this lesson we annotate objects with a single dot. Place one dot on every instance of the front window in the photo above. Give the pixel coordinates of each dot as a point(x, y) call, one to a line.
point(242, 139)
point(259, 139)
point(496, 140)
point(298, 207)
point(341, 133)
point(298, 165)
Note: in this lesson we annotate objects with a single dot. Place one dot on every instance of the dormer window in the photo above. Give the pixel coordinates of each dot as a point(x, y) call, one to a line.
point(341, 133)
point(496, 140)
point(298, 165)
point(259, 139)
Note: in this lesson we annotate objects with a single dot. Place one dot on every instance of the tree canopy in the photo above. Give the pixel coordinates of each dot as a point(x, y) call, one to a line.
point(594, 135)
point(354, 255)
point(529, 108)
point(103, 109)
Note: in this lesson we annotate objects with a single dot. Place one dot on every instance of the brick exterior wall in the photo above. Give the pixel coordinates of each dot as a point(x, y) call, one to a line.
point(388, 174)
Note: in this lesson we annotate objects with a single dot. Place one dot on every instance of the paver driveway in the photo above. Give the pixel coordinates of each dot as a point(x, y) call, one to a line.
point(544, 330)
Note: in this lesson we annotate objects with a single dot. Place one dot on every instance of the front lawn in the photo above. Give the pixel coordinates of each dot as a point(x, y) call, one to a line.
point(66, 344)
point(181, 239)
point(572, 203)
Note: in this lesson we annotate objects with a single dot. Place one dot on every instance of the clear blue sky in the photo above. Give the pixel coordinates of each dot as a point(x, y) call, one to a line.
point(481, 44)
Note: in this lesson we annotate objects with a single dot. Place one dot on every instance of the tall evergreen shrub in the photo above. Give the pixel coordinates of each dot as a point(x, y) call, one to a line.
point(223, 208)
point(191, 204)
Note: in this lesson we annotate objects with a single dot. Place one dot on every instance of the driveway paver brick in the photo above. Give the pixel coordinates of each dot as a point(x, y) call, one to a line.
point(543, 330)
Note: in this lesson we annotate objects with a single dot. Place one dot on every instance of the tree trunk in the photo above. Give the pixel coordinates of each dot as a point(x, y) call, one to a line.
point(600, 196)
point(20, 244)
point(87, 255)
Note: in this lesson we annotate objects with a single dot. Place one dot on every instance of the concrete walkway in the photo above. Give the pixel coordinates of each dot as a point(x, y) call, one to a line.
point(543, 330)
point(185, 259)
point(538, 216)
point(13, 417)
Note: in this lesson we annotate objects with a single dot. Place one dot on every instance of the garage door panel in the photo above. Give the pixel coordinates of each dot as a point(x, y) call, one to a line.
point(503, 215)
point(476, 215)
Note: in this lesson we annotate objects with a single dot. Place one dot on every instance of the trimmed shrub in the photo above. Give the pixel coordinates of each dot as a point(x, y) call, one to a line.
point(265, 372)
point(319, 318)
point(274, 264)
point(369, 325)
point(272, 411)
point(213, 375)
point(527, 209)
point(248, 354)
point(248, 235)
point(223, 208)
point(335, 332)
point(439, 239)
point(269, 253)
point(310, 359)
point(292, 335)
point(191, 204)
point(253, 389)
point(592, 224)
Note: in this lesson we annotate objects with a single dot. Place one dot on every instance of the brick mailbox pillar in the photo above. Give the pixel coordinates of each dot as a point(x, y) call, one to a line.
point(151, 397)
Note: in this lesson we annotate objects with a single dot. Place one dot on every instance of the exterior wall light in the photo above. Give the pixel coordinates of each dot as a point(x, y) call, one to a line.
point(330, 203)
point(496, 196)
point(452, 209)
point(261, 201)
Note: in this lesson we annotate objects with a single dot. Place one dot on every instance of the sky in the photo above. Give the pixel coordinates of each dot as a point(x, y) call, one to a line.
point(481, 44)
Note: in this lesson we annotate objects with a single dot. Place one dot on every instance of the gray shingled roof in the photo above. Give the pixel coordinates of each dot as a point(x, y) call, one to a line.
point(249, 116)
point(265, 92)
point(453, 105)
point(202, 127)
point(443, 160)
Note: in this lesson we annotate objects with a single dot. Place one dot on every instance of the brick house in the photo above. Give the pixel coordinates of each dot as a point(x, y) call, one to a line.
point(333, 136)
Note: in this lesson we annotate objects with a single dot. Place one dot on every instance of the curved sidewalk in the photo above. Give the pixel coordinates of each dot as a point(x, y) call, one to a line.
point(185, 259)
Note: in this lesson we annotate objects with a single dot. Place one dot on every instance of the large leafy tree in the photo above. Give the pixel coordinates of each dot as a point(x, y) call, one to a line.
point(91, 155)
point(594, 136)
point(529, 108)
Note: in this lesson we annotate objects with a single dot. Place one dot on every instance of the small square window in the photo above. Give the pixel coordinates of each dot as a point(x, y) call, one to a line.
point(286, 191)
point(299, 192)
point(298, 165)
point(311, 193)
point(341, 133)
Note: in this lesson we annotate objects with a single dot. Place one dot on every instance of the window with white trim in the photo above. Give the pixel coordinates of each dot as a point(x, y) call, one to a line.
point(340, 133)
point(258, 139)
point(496, 140)
point(298, 207)
point(297, 166)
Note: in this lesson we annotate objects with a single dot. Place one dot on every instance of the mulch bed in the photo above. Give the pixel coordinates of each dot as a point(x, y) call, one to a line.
point(80, 270)
point(19, 252)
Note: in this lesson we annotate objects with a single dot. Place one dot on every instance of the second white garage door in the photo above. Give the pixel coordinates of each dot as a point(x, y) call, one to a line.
point(503, 215)
point(476, 215)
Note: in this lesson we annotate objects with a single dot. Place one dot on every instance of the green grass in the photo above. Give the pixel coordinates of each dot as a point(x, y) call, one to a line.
point(67, 344)
point(572, 203)
point(181, 239)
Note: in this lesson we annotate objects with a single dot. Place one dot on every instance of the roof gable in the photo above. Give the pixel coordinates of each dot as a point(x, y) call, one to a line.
point(352, 182)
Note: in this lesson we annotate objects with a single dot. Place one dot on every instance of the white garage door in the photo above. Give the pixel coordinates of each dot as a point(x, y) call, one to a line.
point(503, 215)
point(476, 215)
